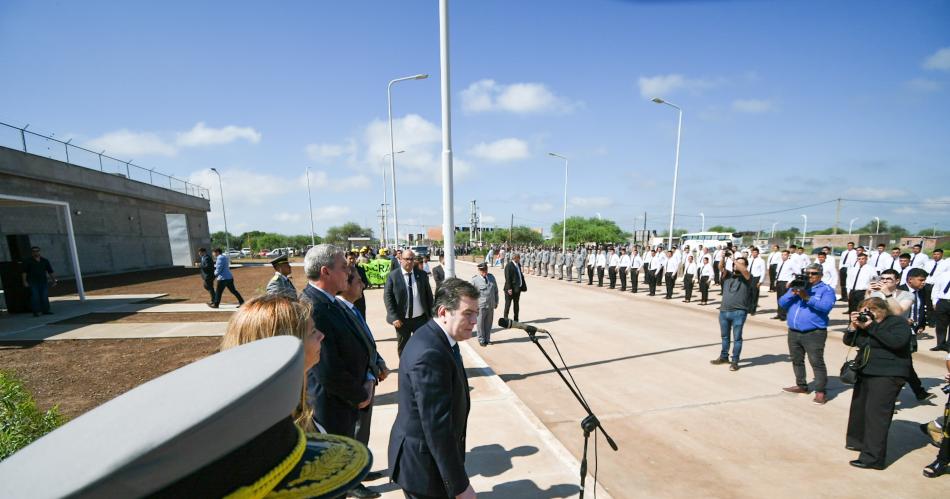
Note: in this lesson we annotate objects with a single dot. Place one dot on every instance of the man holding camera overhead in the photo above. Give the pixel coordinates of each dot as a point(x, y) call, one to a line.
point(808, 301)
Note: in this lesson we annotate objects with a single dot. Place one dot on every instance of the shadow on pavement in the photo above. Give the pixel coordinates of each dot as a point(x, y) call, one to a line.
point(904, 438)
point(545, 320)
point(493, 459)
point(526, 489)
point(519, 339)
point(764, 360)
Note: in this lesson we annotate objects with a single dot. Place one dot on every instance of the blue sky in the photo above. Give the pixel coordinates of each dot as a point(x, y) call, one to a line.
point(785, 104)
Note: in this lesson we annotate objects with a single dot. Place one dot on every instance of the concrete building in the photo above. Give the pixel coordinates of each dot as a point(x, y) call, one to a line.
point(118, 224)
point(927, 243)
point(842, 240)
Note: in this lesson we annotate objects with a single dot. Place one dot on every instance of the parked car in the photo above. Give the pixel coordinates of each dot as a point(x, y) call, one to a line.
point(233, 253)
point(246, 251)
point(262, 253)
point(422, 251)
point(276, 252)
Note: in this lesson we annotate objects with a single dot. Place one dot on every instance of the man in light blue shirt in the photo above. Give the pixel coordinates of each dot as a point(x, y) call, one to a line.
point(222, 272)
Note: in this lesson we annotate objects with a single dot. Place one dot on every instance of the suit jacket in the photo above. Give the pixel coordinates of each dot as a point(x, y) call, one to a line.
point(336, 383)
point(427, 441)
point(885, 345)
point(207, 267)
point(514, 279)
point(438, 274)
point(396, 296)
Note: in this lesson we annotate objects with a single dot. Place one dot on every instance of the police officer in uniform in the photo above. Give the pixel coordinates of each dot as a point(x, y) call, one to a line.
point(568, 265)
point(280, 284)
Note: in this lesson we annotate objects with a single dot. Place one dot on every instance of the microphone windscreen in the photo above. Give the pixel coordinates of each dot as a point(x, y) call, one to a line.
point(505, 323)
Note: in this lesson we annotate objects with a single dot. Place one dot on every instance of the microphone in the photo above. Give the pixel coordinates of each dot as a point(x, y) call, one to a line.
point(510, 324)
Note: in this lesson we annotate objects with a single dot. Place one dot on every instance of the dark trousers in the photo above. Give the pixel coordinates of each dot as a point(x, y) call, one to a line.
point(362, 425)
point(651, 281)
point(872, 408)
point(704, 289)
point(755, 295)
point(229, 284)
point(780, 288)
point(688, 286)
point(928, 304)
point(670, 282)
point(600, 277)
point(514, 298)
point(612, 273)
point(634, 279)
point(855, 298)
point(412, 495)
point(773, 273)
point(623, 278)
point(408, 326)
point(812, 344)
point(209, 286)
point(913, 381)
point(39, 296)
point(716, 272)
point(590, 275)
point(361, 305)
point(942, 314)
point(843, 278)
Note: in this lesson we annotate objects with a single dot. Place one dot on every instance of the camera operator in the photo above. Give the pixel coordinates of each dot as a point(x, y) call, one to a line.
point(808, 301)
point(736, 304)
point(883, 341)
point(908, 305)
point(941, 466)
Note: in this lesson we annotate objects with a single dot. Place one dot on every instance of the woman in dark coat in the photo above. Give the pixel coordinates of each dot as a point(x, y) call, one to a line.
point(883, 342)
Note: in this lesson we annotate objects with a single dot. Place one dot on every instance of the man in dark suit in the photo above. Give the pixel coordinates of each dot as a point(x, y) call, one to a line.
point(360, 302)
point(206, 265)
point(427, 441)
point(339, 385)
point(408, 299)
point(438, 273)
point(514, 284)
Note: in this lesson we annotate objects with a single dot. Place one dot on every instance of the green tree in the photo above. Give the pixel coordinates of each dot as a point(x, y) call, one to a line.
point(21, 422)
point(676, 233)
point(582, 230)
point(218, 240)
point(720, 228)
point(520, 234)
point(339, 234)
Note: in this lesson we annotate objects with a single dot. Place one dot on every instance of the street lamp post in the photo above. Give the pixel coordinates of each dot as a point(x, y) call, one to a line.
point(313, 240)
point(877, 230)
point(224, 212)
point(772, 234)
point(385, 240)
point(564, 218)
point(448, 209)
point(676, 167)
point(804, 228)
point(851, 224)
point(392, 146)
point(703, 228)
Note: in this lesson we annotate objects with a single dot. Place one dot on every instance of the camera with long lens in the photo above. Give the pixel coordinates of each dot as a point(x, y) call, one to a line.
point(799, 282)
point(865, 317)
point(945, 389)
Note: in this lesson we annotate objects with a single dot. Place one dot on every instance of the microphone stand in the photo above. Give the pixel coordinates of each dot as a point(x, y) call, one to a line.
point(588, 424)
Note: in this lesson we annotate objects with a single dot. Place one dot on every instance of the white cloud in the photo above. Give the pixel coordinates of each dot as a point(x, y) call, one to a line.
point(333, 213)
point(905, 210)
point(542, 207)
point(520, 98)
point(592, 202)
point(241, 186)
point(127, 143)
point(939, 60)
point(288, 217)
point(487, 220)
point(752, 106)
point(665, 85)
point(874, 193)
point(326, 153)
point(321, 180)
point(201, 135)
point(501, 150)
point(414, 134)
point(923, 85)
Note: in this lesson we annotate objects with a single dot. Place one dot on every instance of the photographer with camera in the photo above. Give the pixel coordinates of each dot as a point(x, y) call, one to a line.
point(808, 301)
point(941, 466)
point(736, 304)
point(883, 341)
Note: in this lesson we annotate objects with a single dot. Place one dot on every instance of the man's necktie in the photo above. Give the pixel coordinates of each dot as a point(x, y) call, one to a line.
point(934, 269)
point(915, 312)
point(846, 255)
point(778, 275)
point(458, 355)
point(857, 274)
point(410, 295)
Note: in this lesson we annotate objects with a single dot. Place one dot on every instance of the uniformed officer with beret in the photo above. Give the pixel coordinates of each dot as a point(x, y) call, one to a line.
point(280, 284)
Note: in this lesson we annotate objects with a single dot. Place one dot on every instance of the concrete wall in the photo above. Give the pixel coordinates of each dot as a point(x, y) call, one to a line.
point(119, 223)
point(842, 240)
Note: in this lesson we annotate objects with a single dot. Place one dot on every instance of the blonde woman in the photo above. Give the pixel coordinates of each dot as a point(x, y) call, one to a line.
point(275, 315)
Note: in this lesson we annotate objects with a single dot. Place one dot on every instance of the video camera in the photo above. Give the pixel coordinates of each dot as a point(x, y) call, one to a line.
point(799, 282)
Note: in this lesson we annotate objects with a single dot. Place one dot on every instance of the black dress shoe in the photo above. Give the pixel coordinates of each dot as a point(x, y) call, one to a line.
point(362, 491)
point(372, 476)
point(851, 447)
point(938, 348)
point(857, 463)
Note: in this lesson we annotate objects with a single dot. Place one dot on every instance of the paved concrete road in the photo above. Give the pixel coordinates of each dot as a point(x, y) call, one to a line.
point(687, 428)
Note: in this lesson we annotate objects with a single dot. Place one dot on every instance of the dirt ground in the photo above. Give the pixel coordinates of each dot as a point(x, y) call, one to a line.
point(78, 375)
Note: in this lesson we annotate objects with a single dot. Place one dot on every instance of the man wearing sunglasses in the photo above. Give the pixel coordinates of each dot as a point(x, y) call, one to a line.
point(807, 319)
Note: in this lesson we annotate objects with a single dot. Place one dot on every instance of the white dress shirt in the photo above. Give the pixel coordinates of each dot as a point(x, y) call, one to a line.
point(775, 258)
point(601, 260)
point(416, 299)
point(673, 263)
point(707, 271)
point(903, 274)
point(849, 258)
point(636, 261)
point(829, 274)
point(691, 268)
point(658, 262)
point(718, 255)
point(787, 270)
point(860, 277)
point(591, 258)
point(918, 260)
point(881, 261)
point(614, 261)
point(757, 267)
point(625, 260)
point(941, 290)
point(934, 268)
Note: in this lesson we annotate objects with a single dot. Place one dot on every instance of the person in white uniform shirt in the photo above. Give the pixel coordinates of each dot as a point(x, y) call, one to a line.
point(689, 275)
point(934, 267)
point(829, 257)
point(903, 267)
point(623, 266)
point(717, 257)
point(917, 258)
point(657, 263)
point(591, 261)
point(613, 261)
point(829, 274)
point(705, 277)
point(757, 271)
point(670, 269)
point(859, 277)
point(786, 273)
point(775, 258)
point(636, 262)
point(803, 259)
point(848, 259)
point(601, 264)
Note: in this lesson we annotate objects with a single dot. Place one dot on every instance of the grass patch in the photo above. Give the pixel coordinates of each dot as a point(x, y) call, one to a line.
point(21, 422)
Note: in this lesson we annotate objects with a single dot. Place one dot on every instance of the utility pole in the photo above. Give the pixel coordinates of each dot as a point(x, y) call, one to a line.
point(382, 225)
point(646, 238)
point(837, 216)
point(511, 228)
point(473, 224)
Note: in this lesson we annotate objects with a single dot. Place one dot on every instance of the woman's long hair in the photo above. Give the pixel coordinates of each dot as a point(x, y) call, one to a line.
point(267, 316)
